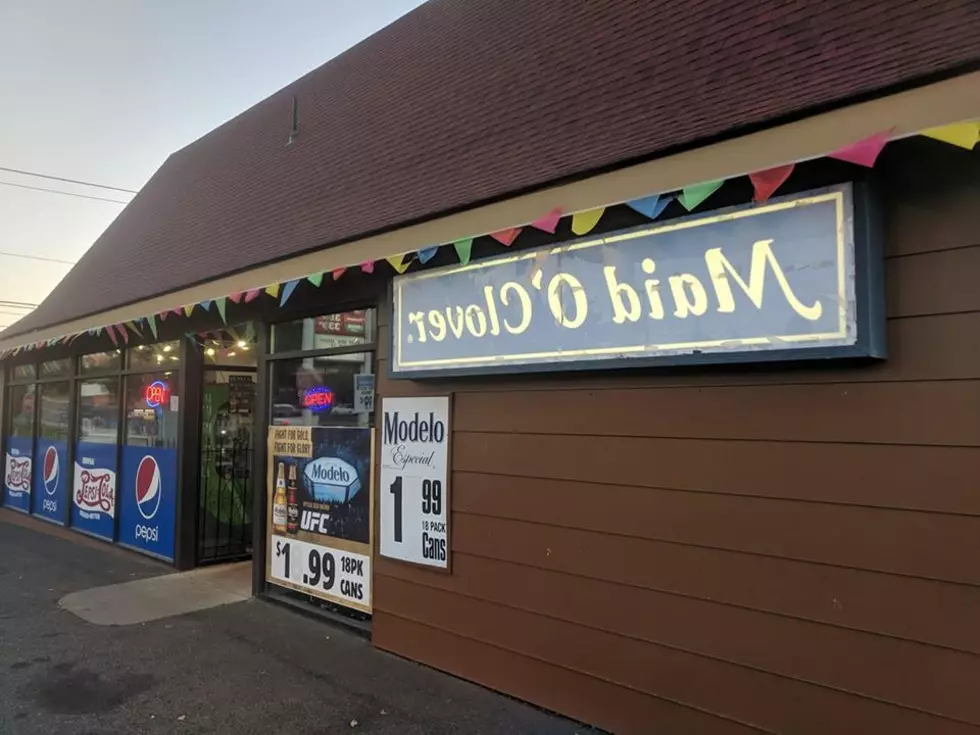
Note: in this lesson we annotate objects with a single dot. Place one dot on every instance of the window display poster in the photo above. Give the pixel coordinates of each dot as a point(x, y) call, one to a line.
point(319, 511)
point(148, 500)
point(94, 489)
point(17, 473)
point(414, 481)
point(50, 479)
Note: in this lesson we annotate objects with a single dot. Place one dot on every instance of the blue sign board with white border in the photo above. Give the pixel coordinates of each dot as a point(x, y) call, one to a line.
point(93, 507)
point(50, 480)
point(18, 473)
point(796, 278)
point(148, 500)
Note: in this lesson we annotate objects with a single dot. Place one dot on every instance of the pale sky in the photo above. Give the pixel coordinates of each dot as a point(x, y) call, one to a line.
point(104, 90)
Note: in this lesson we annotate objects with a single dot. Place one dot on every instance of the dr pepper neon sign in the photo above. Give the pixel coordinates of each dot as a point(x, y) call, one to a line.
point(318, 398)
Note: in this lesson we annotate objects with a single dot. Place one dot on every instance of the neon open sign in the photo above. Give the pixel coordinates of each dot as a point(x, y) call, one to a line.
point(156, 393)
point(318, 398)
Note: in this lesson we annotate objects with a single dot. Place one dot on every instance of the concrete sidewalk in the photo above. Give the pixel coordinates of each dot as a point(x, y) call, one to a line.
point(244, 667)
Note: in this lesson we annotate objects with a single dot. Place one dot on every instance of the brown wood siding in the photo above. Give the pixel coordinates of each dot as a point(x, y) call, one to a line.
point(728, 550)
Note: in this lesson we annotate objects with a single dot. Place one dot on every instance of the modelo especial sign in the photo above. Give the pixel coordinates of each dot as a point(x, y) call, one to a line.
point(783, 281)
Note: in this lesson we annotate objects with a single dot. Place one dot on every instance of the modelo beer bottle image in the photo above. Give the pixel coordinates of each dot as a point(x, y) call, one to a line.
point(279, 515)
point(292, 505)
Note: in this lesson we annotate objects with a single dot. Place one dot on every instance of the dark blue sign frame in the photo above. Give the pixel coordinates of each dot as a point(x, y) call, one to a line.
point(797, 278)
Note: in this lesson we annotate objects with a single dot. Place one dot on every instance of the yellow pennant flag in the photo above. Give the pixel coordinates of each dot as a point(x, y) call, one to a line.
point(273, 290)
point(396, 262)
point(965, 135)
point(583, 222)
point(188, 309)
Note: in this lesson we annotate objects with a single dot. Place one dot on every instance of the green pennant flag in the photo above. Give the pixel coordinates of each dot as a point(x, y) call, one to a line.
point(693, 195)
point(316, 279)
point(463, 249)
point(152, 320)
point(222, 303)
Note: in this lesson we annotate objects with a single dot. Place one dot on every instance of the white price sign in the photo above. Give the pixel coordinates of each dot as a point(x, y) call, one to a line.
point(332, 574)
point(414, 482)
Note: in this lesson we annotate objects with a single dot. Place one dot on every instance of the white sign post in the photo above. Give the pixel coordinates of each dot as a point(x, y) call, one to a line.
point(414, 481)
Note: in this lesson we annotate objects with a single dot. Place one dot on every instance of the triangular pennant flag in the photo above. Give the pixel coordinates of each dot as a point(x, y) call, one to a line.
point(693, 195)
point(316, 279)
point(252, 294)
point(506, 237)
point(178, 312)
point(965, 135)
point(549, 223)
point(163, 315)
point(336, 273)
point(136, 330)
point(427, 254)
point(122, 330)
point(367, 266)
point(397, 262)
point(766, 182)
point(235, 297)
point(152, 321)
point(206, 305)
point(651, 206)
point(188, 309)
point(272, 290)
point(222, 304)
point(584, 222)
point(864, 152)
point(112, 335)
point(464, 248)
point(287, 291)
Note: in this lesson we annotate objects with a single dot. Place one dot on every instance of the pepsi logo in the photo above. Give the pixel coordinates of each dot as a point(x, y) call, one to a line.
point(52, 470)
point(148, 487)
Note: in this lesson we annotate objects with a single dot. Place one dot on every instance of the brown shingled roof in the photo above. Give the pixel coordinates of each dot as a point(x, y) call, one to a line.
point(462, 102)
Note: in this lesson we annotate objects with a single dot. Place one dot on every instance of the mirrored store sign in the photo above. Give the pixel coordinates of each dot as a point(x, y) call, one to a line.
point(782, 280)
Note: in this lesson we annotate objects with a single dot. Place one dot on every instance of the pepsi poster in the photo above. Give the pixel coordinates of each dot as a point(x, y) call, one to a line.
point(94, 489)
point(148, 500)
point(320, 512)
point(17, 473)
point(50, 480)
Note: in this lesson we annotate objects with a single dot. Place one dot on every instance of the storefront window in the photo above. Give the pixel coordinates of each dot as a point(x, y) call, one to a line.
point(55, 398)
point(233, 348)
point(318, 391)
point(161, 356)
point(98, 411)
point(348, 329)
point(24, 372)
point(56, 368)
point(101, 362)
point(22, 410)
point(152, 404)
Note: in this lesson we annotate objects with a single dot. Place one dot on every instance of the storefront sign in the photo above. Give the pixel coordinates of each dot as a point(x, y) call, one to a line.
point(363, 393)
point(157, 393)
point(320, 513)
point(51, 480)
point(148, 500)
point(94, 489)
point(777, 281)
point(414, 482)
point(18, 471)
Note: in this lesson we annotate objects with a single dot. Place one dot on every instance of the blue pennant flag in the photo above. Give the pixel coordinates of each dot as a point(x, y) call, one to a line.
point(651, 206)
point(427, 254)
point(287, 290)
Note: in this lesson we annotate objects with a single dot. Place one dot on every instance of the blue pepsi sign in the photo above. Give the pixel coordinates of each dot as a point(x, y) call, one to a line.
point(93, 507)
point(18, 473)
point(796, 278)
point(50, 480)
point(148, 500)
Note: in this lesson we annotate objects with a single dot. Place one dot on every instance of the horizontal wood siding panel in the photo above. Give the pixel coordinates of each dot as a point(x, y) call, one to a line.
point(773, 703)
point(942, 413)
point(933, 283)
point(929, 478)
point(914, 674)
point(939, 347)
point(912, 543)
point(613, 707)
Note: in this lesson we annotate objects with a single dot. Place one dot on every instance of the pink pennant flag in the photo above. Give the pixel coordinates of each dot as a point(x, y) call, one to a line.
point(549, 223)
point(368, 266)
point(251, 295)
point(864, 152)
point(163, 315)
point(338, 272)
point(235, 297)
point(112, 334)
point(766, 182)
point(123, 332)
point(507, 237)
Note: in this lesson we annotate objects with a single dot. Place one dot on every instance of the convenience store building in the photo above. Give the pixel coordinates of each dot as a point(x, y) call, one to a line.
point(651, 398)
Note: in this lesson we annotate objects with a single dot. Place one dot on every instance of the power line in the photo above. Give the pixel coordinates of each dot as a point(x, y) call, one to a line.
point(68, 181)
point(66, 193)
point(37, 257)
